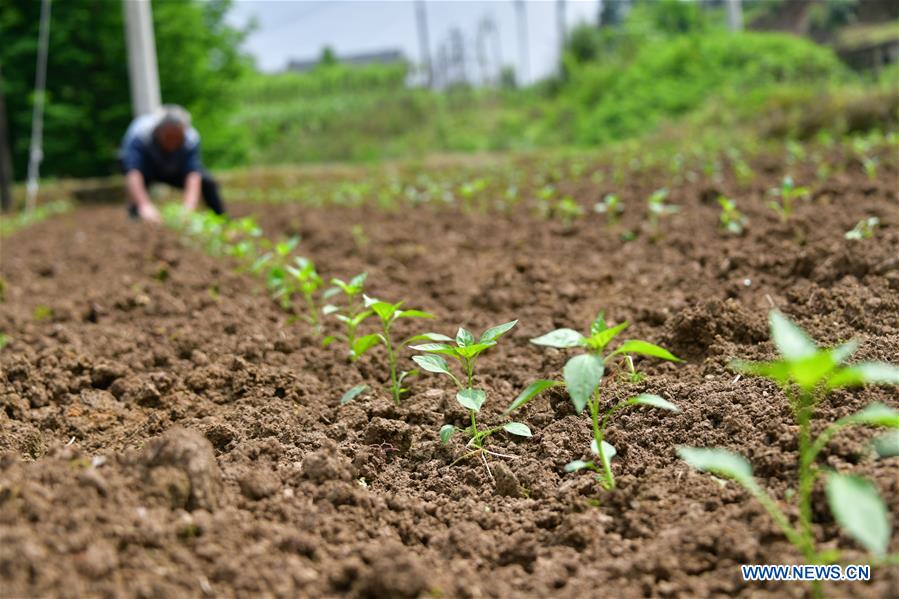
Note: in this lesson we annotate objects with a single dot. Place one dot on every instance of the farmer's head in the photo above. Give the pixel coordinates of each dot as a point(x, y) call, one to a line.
point(171, 128)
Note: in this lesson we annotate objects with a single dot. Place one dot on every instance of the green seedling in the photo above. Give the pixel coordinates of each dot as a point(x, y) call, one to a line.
point(612, 207)
point(466, 349)
point(567, 210)
point(42, 313)
point(583, 376)
point(863, 229)
point(657, 209)
point(784, 197)
point(731, 220)
point(352, 315)
point(806, 375)
point(388, 314)
point(4, 340)
point(273, 267)
point(303, 278)
point(870, 164)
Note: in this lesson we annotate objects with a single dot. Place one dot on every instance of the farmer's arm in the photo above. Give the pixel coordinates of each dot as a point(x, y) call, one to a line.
point(192, 184)
point(192, 190)
point(134, 182)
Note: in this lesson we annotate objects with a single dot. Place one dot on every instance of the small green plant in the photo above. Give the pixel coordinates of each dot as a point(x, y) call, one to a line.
point(388, 314)
point(583, 376)
point(731, 220)
point(466, 349)
point(784, 196)
point(807, 374)
point(42, 312)
point(870, 164)
point(4, 340)
point(863, 229)
point(303, 278)
point(567, 210)
point(612, 207)
point(352, 315)
point(657, 209)
point(272, 266)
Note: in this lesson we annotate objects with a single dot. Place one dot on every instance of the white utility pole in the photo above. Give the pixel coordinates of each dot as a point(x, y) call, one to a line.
point(734, 15)
point(36, 149)
point(142, 69)
point(523, 66)
point(424, 44)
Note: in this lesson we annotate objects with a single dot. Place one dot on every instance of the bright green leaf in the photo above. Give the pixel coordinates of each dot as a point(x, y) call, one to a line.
point(414, 314)
point(582, 375)
point(578, 465)
point(561, 338)
point(470, 351)
point(887, 446)
point(608, 449)
point(877, 414)
point(858, 508)
point(517, 428)
point(870, 373)
point(791, 341)
point(636, 346)
point(718, 461)
point(647, 399)
point(446, 432)
point(464, 337)
point(494, 333)
point(432, 363)
point(350, 394)
point(471, 399)
point(365, 343)
point(530, 392)
point(599, 341)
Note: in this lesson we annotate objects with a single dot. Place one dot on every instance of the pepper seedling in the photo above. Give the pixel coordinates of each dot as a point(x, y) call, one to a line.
point(785, 195)
point(272, 266)
point(352, 315)
point(466, 349)
point(583, 375)
point(657, 208)
point(611, 206)
point(303, 277)
point(388, 314)
point(806, 374)
point(863, 229)
point(731, 220)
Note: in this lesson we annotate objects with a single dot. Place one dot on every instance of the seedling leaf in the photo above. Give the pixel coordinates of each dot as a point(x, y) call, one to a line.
point(887, 446)
point(530, 392)
point(471, 399)
point(636, 346)
point(582, 375)
point(470, 351)
point(365, 343)
point(517, 428)
point(353, 392)
point(871, 373)
point(430, 337)
point(647, 399)
point(494, 333)
point(560, 338)
point(790, 340)
point(719, 461)
point(598, 341)
point(608, 449)
point(464, 337)
point(577, 465)
point(858, 508)
point(414, 314)
point(432, 363)
point(446, 432)
point(877, 414)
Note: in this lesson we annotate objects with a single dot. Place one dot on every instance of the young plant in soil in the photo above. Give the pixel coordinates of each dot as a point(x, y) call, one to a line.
point(863, 229)
point(303, 278)
point(657, 209)
point(352, 315)
point(583, 375)
point(612, 207)
point(272, 266)
point(731, 220)
point(466, 349)
point(388, 314)
point(784, 196)
point(807, 374)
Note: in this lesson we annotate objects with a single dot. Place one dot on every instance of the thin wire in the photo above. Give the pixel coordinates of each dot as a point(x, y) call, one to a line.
point(36, 151)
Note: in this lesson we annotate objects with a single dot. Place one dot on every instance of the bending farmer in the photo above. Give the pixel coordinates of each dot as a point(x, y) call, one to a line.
point(162, 147)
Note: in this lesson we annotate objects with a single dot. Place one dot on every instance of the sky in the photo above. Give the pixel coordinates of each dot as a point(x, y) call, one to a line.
point(299, 29)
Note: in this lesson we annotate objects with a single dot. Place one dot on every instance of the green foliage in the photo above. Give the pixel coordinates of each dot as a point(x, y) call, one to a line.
point(465, 348)
point(656, 209)
point(23, 219)
point(784, 196)
point(731, 220)
point(612, 207)
point(807, 374)
point(583, 375)
point(88, 104)
point(863, 229)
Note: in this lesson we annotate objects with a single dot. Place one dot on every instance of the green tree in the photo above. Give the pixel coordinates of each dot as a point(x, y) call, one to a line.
point(88, 103)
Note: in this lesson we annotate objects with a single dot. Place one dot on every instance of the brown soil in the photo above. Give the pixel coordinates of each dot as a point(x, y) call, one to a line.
point(168, 433)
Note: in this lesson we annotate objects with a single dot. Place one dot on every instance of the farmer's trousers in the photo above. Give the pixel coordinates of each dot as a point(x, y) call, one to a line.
point(208, 187)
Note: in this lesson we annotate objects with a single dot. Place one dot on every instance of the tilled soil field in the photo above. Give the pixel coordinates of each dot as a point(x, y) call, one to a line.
point(167, 431)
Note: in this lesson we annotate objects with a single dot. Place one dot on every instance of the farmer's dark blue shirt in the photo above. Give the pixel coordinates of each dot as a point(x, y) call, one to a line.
point(140, 152)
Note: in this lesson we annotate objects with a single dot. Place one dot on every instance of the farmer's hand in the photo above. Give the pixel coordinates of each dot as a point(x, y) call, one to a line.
point(149, 213)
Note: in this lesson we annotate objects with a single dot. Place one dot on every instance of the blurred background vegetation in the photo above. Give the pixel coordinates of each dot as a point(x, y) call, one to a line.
point(660, 64)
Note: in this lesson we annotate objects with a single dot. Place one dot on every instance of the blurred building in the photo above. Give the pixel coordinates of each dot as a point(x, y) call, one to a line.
point(389, 56)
